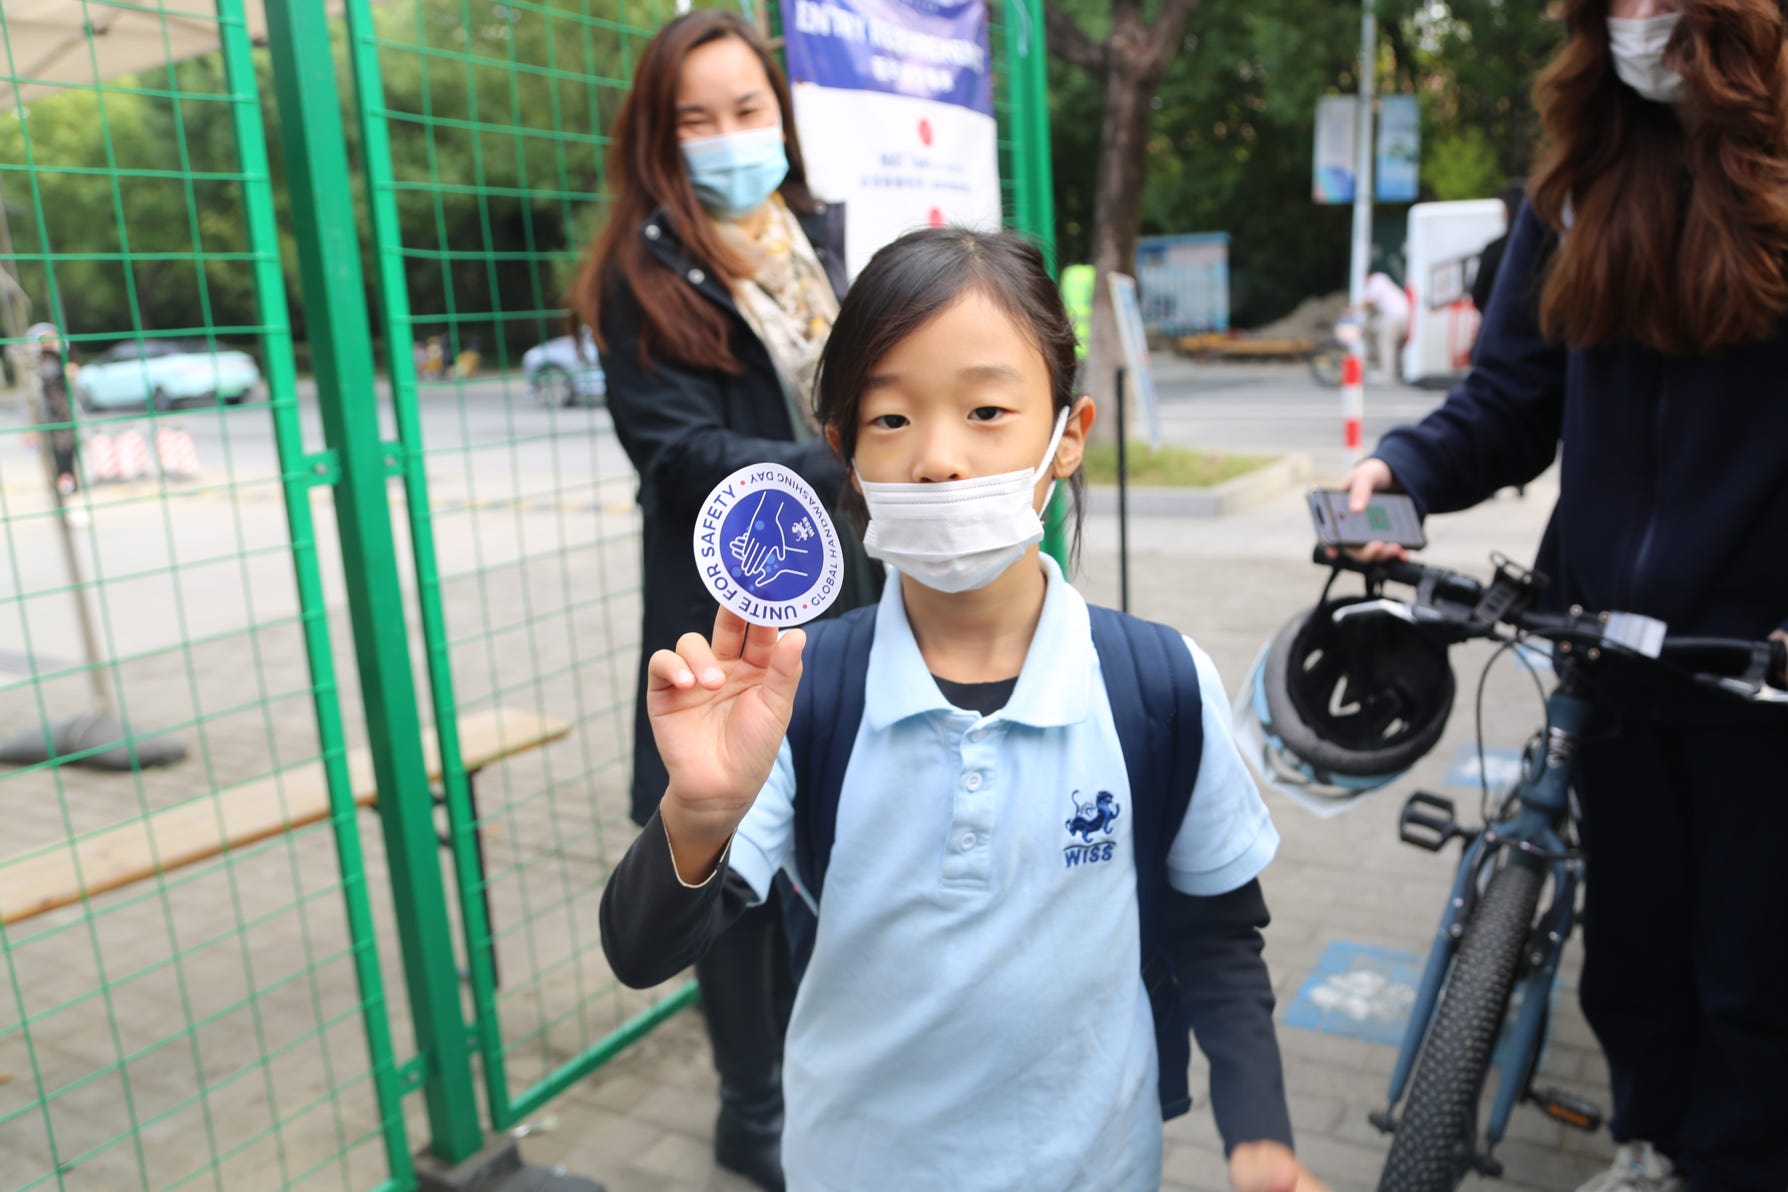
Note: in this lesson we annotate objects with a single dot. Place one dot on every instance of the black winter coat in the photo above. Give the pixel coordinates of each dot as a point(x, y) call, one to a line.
point(1674, 475)
point(686, 430)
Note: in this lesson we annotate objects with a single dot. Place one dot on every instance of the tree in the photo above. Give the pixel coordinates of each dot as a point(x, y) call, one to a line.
point(1128, 65)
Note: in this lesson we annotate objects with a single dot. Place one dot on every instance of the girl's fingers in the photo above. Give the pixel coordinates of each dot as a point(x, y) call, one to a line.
point(759, 640)
point(666, 671)
point(782, 672)
point(693, 649)
point(729, 633)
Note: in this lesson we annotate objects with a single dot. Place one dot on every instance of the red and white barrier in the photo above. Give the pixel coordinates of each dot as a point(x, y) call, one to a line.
point(175, 451)
point(1353, 403)
point(100, 457)
point(133, 455)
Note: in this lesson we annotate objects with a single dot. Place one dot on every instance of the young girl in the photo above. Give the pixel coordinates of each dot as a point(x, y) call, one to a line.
point(974, 1014)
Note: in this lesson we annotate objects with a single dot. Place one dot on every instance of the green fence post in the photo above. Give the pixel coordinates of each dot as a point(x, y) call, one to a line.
point(1027, 90)
point(1033, 197)
point(325, 228)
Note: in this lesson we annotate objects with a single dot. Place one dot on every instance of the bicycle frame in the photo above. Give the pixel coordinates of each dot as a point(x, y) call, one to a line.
point(1533, 834)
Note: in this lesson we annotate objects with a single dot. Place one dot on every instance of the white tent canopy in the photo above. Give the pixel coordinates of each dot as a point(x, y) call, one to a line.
point(57, 43)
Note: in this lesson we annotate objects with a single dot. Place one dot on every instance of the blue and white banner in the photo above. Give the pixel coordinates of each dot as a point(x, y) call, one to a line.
point(894, 106)
point(921, 49)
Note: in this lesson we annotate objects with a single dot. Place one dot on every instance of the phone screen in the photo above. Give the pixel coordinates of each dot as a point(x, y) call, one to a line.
point(1388, 517)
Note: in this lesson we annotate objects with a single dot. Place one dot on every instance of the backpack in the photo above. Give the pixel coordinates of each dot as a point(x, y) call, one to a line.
point(1152, 685)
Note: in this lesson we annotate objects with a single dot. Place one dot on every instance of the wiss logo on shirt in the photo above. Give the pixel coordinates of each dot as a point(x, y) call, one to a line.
point(1092, 818)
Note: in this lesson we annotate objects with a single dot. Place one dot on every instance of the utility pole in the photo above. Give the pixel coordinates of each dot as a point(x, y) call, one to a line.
point(1353, 369)
point(1362, 174)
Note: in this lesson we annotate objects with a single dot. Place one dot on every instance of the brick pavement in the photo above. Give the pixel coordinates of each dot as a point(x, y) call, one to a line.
point(644, 1121)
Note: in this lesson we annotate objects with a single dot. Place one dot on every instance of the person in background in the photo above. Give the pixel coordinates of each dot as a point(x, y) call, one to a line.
point(1388, 308)
point(712, 289)
point(54, 372)
point(1638, 332)
point(1490, 256)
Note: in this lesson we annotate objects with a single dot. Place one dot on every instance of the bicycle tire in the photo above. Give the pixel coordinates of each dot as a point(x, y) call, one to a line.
point(1326, 364)
point(1436, 1138)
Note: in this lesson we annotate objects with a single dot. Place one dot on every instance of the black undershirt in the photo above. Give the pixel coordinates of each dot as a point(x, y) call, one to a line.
point(983, 699)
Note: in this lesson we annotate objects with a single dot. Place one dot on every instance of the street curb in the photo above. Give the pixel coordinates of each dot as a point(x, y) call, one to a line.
point(1220, 500)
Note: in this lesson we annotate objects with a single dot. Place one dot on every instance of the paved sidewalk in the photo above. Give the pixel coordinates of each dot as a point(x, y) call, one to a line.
point(645, 1121)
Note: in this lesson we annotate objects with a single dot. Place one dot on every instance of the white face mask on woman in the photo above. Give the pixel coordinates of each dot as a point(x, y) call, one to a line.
point(1638, 49)
point(958, 535)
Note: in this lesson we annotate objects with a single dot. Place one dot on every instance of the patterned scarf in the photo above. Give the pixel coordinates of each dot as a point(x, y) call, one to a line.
point(787, 300)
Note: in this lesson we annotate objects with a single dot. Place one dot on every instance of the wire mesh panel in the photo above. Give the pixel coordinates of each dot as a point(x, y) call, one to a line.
point(192, 993)
point(485, 134)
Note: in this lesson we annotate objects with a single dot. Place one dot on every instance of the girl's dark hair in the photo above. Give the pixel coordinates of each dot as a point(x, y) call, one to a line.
point(905, 286)
point(1679, 236)
point(646, 163)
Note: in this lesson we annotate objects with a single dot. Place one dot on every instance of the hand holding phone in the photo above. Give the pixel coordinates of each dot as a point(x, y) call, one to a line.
point(1388, 517)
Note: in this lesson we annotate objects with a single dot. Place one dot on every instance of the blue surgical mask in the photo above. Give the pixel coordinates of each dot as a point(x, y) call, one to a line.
point(734, 173)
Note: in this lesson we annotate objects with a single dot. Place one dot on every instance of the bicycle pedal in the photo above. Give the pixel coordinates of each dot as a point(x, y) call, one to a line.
point(1428, 821)
point(1572, 1111)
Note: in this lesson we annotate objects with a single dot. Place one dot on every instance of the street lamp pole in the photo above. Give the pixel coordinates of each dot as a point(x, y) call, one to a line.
point(1362, 175)
point(1353, 369)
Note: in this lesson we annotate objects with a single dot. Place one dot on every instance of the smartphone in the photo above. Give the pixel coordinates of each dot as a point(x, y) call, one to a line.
point(1388, 517)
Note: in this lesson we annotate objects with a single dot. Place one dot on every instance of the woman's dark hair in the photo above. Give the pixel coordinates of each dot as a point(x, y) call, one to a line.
point(910, 282)
point(1679, 235)
point(646, 164)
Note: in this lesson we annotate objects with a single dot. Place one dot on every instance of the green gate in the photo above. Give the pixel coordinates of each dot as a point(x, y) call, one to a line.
point(175, 1013)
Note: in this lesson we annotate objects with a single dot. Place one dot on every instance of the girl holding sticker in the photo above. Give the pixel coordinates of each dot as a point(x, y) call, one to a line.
point(1031, 844)
point(711, 289)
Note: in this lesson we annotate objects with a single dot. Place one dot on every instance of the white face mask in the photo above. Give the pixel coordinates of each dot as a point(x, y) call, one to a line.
point(1638, 49)
point(958, 535)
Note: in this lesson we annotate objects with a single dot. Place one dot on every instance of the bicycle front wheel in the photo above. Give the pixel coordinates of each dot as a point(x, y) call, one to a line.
point(1436, 1138)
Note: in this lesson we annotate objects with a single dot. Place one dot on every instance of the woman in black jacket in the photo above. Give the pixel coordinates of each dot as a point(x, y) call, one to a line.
point(1640, 320)
point(712, 288)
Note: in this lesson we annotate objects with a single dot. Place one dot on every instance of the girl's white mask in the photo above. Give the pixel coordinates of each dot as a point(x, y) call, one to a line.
point(958, 535)
point(1638, 49)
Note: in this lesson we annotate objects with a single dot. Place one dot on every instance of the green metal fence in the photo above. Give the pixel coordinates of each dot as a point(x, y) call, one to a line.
point(223, 1023)
point(411, 572)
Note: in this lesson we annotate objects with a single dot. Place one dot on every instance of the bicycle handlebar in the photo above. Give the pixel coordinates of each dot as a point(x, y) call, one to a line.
point(1460, 608)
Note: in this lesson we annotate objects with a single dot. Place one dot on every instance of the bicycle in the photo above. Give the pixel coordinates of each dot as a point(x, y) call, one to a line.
point(1495, 936)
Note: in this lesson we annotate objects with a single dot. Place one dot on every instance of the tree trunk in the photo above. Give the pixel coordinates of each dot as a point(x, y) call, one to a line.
point(1129, 64)
point(1117, 213)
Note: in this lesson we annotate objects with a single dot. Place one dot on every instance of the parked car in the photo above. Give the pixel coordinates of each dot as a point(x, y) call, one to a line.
point(160, 374)
point(565, 371)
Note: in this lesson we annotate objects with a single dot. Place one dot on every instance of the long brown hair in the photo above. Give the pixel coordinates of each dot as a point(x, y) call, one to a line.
point(1679, 235)
point(646, 165)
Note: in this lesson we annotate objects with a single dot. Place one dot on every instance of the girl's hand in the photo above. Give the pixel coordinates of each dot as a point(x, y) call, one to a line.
point(719, 714)
point(1270, 1167)
point(1369, 476)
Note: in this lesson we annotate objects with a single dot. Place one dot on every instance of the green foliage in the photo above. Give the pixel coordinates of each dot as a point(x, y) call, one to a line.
point(1168, 467)
point(1233, 137)
point(495, 116)
point(1461, 165)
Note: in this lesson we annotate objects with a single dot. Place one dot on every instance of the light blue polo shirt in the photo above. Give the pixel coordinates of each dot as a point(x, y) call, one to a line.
point(973, 1016)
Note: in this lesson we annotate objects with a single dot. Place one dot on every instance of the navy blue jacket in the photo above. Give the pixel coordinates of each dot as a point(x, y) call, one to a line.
point(1674, 476)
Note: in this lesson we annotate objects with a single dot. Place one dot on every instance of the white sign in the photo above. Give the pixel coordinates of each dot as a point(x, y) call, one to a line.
point(1128, 311)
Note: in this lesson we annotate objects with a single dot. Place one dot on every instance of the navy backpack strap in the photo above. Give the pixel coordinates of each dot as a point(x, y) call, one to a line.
point(821, 733)
point(1151, 683)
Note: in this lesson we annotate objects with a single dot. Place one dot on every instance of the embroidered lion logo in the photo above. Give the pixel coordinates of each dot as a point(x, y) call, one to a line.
point(1094, 817)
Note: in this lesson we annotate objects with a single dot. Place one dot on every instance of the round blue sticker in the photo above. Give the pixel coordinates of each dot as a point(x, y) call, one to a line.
point(766, 548)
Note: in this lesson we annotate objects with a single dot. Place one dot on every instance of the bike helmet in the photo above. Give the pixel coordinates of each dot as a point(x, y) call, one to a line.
point(1350, 704)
